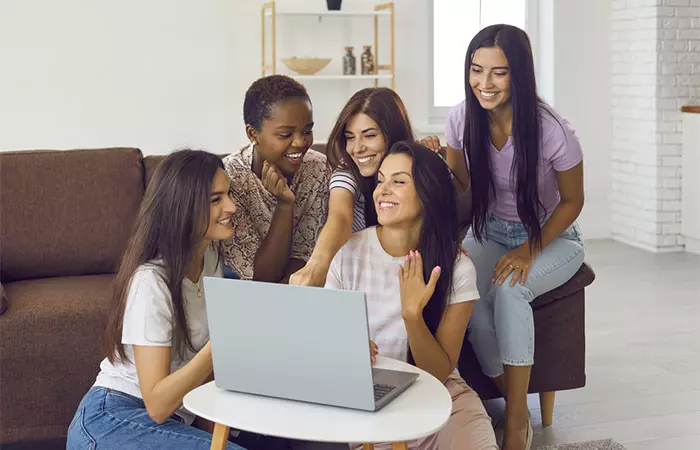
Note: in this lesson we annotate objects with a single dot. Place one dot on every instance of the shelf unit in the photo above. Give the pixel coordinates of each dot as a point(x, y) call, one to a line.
point(270, 11)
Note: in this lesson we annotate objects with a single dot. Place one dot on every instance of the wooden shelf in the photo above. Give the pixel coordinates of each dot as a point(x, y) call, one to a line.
point(339, 14)
point(270, 13)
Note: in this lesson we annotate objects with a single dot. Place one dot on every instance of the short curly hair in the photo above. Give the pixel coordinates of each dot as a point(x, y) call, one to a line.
point(266, 93)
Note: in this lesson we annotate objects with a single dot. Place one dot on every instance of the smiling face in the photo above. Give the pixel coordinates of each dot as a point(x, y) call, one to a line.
point(489, 77)
point(286, 136)
point(221, 208)
point(395, 197)
point(365, 143)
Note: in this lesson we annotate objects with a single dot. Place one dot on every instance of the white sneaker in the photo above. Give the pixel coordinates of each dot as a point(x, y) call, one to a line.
point(530, 432)
point(500, 431)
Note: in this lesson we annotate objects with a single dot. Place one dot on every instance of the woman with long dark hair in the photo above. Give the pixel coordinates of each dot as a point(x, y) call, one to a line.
point(369, 124)
point(420, 288)
point(157, 337)
point(524, 165)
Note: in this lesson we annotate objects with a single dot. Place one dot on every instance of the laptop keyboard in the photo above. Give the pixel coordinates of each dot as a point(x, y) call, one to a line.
point(380, 390)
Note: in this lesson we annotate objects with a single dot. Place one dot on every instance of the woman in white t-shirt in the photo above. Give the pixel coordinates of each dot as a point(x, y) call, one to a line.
point(157, 337)
point(417, 240)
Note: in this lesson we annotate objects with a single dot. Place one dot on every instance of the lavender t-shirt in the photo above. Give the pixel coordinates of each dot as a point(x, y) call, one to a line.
point(560, 150)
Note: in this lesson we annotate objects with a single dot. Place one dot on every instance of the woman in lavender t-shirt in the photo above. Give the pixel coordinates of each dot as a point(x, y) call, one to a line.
point(524, 166)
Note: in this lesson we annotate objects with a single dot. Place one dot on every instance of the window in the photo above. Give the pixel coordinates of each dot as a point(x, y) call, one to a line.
point(453, 25)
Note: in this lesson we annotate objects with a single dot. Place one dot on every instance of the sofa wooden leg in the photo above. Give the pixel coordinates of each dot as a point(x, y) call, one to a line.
point(547, 407)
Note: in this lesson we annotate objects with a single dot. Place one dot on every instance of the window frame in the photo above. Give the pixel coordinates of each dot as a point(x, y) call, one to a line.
point(437, 115)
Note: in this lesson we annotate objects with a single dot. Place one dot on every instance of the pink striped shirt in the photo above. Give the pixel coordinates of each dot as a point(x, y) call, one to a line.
point(363, 265)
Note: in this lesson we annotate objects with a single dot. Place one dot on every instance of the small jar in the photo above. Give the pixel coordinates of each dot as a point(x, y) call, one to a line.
point(367, 61)
point(349, 62)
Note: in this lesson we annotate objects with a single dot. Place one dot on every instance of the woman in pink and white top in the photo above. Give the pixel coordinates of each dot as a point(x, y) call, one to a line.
point(524, 165)
point(420, 288)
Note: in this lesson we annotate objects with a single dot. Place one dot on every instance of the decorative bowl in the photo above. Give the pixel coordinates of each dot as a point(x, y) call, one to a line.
point(306, 66)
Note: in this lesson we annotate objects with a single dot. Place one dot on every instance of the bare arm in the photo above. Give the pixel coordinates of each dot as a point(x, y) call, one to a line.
point(273, 255)
point(333, 236)
point(293, 266)
point(163, 391)
point(439, 354)
point(435, 354)
point(567, 211)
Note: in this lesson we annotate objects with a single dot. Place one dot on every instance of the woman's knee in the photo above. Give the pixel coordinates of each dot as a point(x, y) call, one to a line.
point(507, 296)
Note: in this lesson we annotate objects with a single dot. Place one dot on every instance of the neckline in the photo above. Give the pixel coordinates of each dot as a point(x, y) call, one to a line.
point(506, 146)
point(374, 240)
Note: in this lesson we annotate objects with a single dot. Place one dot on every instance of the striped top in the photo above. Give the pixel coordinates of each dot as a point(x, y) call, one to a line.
point(344, 179)
point(363, 265)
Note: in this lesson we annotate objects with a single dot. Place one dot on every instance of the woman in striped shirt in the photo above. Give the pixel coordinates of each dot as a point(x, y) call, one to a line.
point(371, 122)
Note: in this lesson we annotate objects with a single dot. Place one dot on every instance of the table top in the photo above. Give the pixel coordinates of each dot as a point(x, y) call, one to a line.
point(421, 410)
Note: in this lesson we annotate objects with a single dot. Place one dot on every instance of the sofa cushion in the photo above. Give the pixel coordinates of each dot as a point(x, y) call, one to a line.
point(66, 213)
point(52, 336)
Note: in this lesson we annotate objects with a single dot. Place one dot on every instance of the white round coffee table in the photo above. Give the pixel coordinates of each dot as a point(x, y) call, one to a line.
point(423, 409)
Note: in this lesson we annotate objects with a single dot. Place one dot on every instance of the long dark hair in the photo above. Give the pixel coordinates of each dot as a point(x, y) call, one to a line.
point(383, 106)
point(527, 107)
point(171, 224)
point(439, 235)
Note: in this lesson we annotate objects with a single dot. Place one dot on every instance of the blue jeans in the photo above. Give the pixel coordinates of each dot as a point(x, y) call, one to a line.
point(501, 328)
point(111, 419)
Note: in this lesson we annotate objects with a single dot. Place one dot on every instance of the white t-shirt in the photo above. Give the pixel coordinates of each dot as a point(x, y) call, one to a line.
point(363, 265)
point(148, 320)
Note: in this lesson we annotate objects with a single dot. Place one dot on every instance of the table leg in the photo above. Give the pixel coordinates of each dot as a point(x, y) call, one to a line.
point(399, 446)
point(220, 438)
point(367, 446)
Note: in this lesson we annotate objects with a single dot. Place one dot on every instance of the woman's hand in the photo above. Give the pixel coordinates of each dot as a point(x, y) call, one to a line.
point(433, 143)
point(415, 293)
point(518, 262)
point(276, 184)
point(373, 351)
point(310, 275)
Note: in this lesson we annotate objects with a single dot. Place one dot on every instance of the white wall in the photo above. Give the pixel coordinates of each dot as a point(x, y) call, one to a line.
point(162, 74)
point(581, 93)
point(156, 74)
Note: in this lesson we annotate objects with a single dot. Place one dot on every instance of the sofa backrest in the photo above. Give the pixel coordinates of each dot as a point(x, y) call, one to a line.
point(66, 213)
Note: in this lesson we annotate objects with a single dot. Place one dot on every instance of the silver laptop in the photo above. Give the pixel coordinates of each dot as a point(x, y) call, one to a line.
point(298, 343)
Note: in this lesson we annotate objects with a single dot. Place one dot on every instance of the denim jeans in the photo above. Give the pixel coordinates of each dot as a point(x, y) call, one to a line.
point(111, 419)
point(501, 329)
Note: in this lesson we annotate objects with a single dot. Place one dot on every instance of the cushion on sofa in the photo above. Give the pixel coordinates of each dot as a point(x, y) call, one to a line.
point(51, 347)
point(66, 213)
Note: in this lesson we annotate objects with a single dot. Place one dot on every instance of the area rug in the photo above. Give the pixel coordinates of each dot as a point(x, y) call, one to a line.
point(606, 444)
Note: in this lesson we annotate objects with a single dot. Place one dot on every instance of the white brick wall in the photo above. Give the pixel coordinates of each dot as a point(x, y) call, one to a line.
point(656, 69)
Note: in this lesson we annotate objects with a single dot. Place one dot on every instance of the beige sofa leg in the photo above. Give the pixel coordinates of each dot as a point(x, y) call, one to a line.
point(547, 407)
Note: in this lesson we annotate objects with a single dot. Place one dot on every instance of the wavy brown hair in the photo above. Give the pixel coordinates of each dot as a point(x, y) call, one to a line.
point(385, 107)
point(171, 224)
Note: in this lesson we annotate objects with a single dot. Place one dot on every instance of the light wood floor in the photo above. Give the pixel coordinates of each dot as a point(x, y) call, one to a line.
point(643, 355)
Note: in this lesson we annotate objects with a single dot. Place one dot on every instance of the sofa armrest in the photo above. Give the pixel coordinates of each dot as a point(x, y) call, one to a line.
point(4, 303)
point(580, 280)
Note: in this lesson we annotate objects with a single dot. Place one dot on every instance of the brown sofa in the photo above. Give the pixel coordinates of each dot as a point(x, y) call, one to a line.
point(65, 217)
